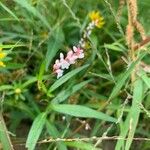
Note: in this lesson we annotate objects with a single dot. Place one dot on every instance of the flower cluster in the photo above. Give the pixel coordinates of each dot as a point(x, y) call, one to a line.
point(77, 53)
point(96, 21)
point(64, 63)
point(2, 56)
point(97, 18)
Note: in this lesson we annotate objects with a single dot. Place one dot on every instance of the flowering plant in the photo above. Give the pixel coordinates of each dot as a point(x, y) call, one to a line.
point(96, 20)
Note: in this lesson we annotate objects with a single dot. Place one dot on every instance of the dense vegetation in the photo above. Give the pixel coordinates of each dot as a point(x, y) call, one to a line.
point(74, 74)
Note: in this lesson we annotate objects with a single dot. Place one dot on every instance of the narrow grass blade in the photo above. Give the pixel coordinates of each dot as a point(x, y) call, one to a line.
point(135, 111)
point(145, 78)
point(4, 136)
point(132, 118)
point(10, 46)
point(62, 96)
point(9, 11)
point(81, 111)
point(31, 80)
point(114, 47)
point(66, 77)
point(54, 44)
point(52, 130)
point(100, 75)
point(35, 131)
point(122, 79)
point(25, 4)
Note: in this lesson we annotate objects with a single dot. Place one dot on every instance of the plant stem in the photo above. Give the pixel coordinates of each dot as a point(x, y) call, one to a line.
point(4, 136)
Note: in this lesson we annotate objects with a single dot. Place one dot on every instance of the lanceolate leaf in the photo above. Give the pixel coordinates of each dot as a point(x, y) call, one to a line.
point(135, 111)
point(66, 93)
point(4, 136)
point(81, 111)
point(35, 131)
point(132, 119)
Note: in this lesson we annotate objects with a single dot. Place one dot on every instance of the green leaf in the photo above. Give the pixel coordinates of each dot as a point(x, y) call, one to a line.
point(9, 11)
point(66, 93)
point(6, 87)
point(132, 119)
point(22, 106)
point(135, 111)
point(116, 46)
point(81, 111)
point(4, 136)
point(41, 72)
point(144, 77)
point(31, 80)
point(54, 44)
point(10, 46)
point(66, 77)
point(25, 4)
point(113, 47)
point(101, 75)
point(81, 145)
point(52, 130)
point(35, 131)
point(14, 66)
point(122, 79)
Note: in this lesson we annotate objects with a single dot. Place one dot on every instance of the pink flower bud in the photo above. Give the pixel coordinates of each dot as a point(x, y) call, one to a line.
point(59, 73)
point(63, 62)
point(56, 65)
point(78, 52)
point(71, 58)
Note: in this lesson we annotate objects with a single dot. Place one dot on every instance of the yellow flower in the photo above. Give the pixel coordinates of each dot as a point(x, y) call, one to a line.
point(2, 55)
point(97, 18)
point(2, 64)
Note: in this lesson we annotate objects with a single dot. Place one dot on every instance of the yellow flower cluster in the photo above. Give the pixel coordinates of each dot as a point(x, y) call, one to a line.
point(2, 55)
point(97, 18)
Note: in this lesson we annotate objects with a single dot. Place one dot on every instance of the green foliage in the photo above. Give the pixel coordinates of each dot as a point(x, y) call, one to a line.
point(96, 96)
point(35, 131)
point(81, 111)
point(66, 77)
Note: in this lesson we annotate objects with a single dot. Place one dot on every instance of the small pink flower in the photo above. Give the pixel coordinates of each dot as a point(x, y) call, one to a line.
point(59, 73)
point(63, 62)
point(57, 65)
point(71, 58)
point(78, 52)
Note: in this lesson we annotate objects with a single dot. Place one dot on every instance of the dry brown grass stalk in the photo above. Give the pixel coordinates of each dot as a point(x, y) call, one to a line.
point(121, 5)
point(85, 139)
point(140, 29)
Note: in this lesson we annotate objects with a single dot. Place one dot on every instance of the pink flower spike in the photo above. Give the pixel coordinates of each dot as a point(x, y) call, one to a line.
point(63, 62)
point(59, 73)
point(71, 57)
point(78, 52)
